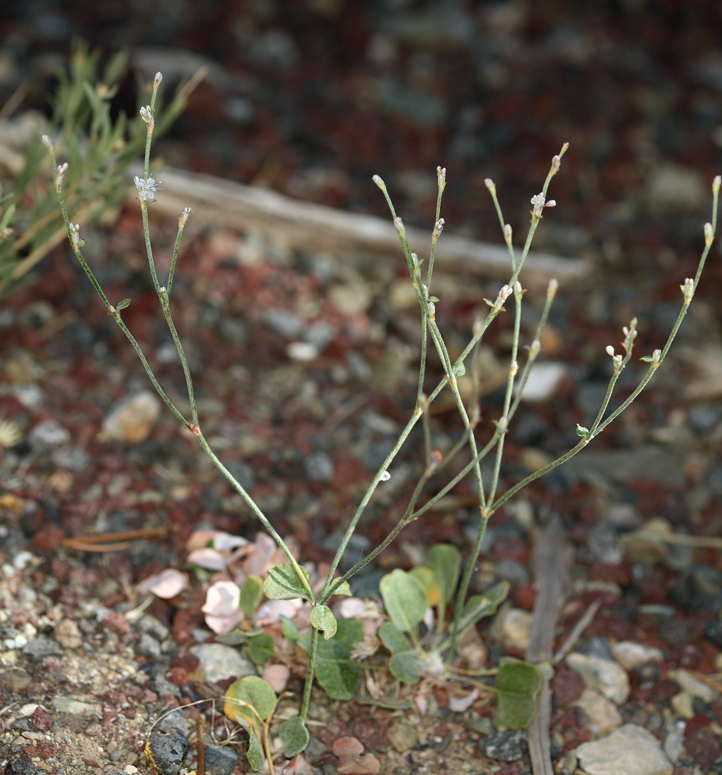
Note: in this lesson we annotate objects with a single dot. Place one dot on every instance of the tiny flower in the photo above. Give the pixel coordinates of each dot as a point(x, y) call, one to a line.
point(518, 290)
point(62, 169)
point(438, 228)
point(538, 200)
point(489, 183)
point(399, 226)
point(552, 288)
point(504, 294)
point(716, 183)
point(183, 218)
point(147, 115)
point(708, 234)
point(415, 262)
point(385, 476)
point(688, 290)
point(379, 182)
point(534, 349)
point(75, 234)
point(441, 177)
point(513, 369)
point(610, 351)
point(431, 309)
point(47, 142)
point(507, 234)
point(158, 78)
point(146, 188)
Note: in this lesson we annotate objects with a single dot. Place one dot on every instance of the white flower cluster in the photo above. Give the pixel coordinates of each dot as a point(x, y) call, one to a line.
point(146, 188)
point(147, 115)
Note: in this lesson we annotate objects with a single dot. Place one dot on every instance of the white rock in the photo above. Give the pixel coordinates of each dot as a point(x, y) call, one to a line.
point(606, 676)
point(132, 419)
point(629, 750)
point(603, 714)
point(693, 685)
point(220, 662)
point(630, 654)
point(515, 628)
point(543, 382)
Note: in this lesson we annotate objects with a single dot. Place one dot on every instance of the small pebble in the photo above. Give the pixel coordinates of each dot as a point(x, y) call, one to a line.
point(165, 754)
point(631, 750)
point(132, 419)
point(403, 736)
point(630, 654)
point(606, 676)
point(220, 759)
point(220, 662)
point(67, 634)
point(506, 746)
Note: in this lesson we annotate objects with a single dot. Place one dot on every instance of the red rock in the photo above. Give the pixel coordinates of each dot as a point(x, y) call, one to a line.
point(188, 662)
point(182, 626)
point(47, 750)
point(525, 596)
point(41, 721)
point(177, 676)
point(91, 762)
point(703, 746)
point(117, 623)
point(664, 689)
point(617, 574)
point(697, 721)
point(567, 686)
point(48, 537)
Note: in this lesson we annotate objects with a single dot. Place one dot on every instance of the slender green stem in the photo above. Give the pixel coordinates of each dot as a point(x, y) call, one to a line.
point(181, 225)
point(310, 668)
point(253, 506)
point(497, 206)
point(165, 304)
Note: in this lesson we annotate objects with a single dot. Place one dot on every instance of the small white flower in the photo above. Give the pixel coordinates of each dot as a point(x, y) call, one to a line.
point(62, 169)
point(146, 188)
point(147, 115)
point(75, 234)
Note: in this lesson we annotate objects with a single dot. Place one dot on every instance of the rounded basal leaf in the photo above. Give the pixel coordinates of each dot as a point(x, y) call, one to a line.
point(404, 598)
point(517, 685)
point(294, 736)
point(254, 754)
point(260, 649)
point(343, 589)
point(445, 563)
point(337, 675)
point(426, 579)
point(479, 606)
point(283, 583)
point(253, 691)
point(404, 663)
point(251, 594)
point(322, 619)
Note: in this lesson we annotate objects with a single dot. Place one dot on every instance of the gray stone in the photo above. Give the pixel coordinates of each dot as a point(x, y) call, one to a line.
point(220, 760)
point(512, 571)
point(630, 654)
point(604, 543)
point(174, 723)
point(67, 634)
point(696, 587)
point(42, 647)
point(631, 750)
point(623, 465)
point(596, 646)
point(287, 324)
point(70, 705)
point(148, 646)
point(162, 686)
point(220, 662)
point(168, 753)
point(48, 433)
point(319, 467)
point(506, 746)
point(606, 676)
point(152, 626)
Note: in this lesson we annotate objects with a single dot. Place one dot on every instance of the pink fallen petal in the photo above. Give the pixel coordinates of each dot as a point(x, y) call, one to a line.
point(258, 562)
point(422, 703)
point(222, 625)
point(222, 599)
point(225, 542)
point(200, 539)
point(277, 676)
point(460, 704)
point(166, 584)
point(271, 611)
point(297, 766)
point(352, 760)
point(209, 559)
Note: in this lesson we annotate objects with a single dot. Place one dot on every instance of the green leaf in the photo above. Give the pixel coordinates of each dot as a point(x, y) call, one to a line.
point(322, 619)
point(335, 672)
point(255, 692)
point(404, 664)
point(479, 606)
point(517, 685)
point(445, 563)
point(343, 589)
point(251, 593)
point(404, 598)
point(254, 753)
point(121, 305)
point(647, 359)
point(289, 629)
point(283, 583)
point(294, 736)
point(582, 432)
point(425, 577)
point(260, 649)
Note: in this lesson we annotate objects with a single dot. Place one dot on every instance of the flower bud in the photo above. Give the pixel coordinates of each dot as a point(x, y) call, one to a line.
point(610, 351)
point(399, 226)
point(507, 234)
point(438, 228)
point(708, 234)
point(688, 290)
point(47, 142)
point(156, 81)
point(379, 182)
point(716, 183)
point(441, 177)
point(552, 289)
point(489, 183)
